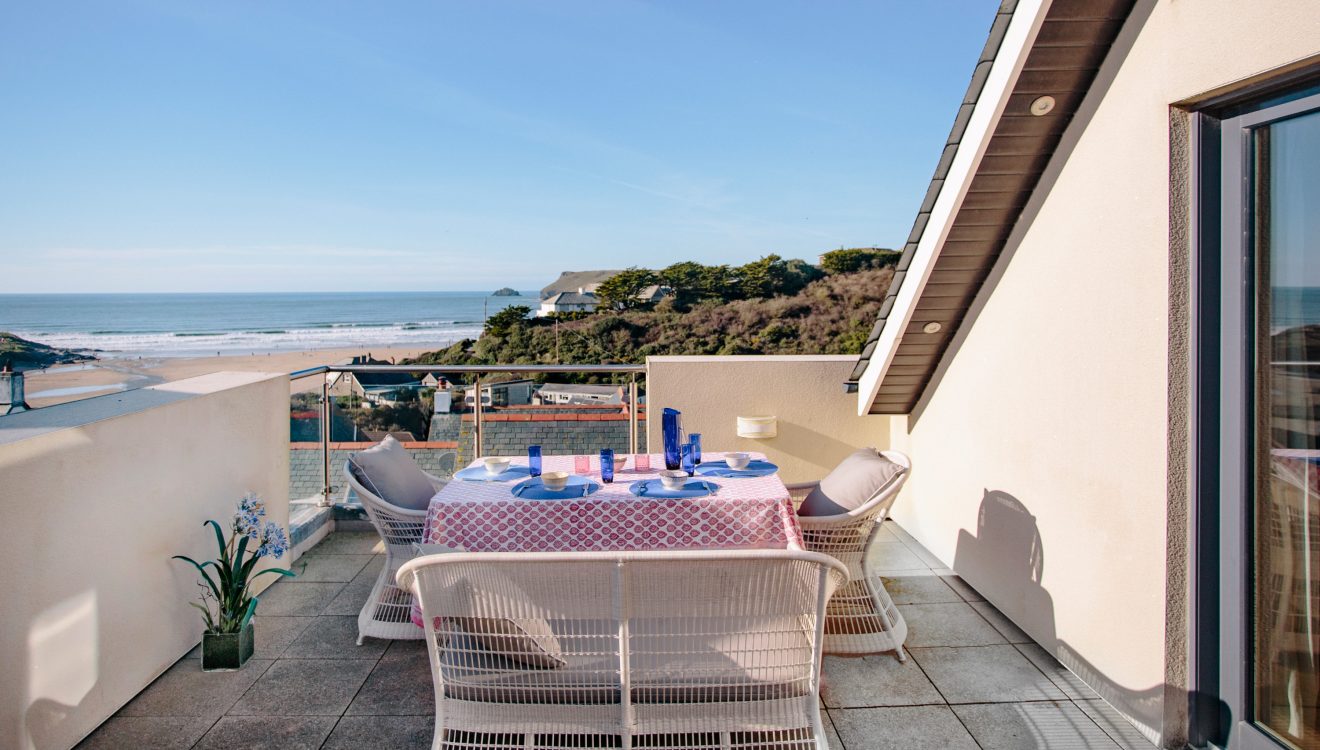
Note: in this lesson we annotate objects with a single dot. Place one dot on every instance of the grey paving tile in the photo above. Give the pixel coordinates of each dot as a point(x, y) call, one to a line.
point(962, 588)
point(349, 543)
point(273, 732)
point(831, 734)
point(1118, 728)
point(304, 687)
point(925, 555)
point(872, 681)
point(919, 588)
point(985, 674)
point(399, 685)
point(1033, 726)
point(902, 728)
point(394, 732)
point(1069, 683)
point(298, 598)
point(1012, 633)
point(948, 624)
point(334, 637)
point(315, 568)
point(147, 732)
point(185, 690)
point(349, 601)
point(894, 556)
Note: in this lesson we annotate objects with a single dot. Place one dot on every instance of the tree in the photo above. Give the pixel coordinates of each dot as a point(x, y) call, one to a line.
point(686, 280)
point(504, 321)
point(619, 292)
point(857, 259)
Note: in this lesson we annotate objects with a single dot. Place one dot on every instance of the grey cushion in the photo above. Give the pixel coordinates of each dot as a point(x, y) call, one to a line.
point(767, 659)
point(854, 481)
point(388, 472)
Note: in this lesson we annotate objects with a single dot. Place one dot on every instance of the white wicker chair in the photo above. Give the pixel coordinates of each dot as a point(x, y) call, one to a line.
point(861, 617)
point(700, 650)
point(388, 609)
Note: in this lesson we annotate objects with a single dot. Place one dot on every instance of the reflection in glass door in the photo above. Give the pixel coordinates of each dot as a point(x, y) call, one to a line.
point(1283, 221)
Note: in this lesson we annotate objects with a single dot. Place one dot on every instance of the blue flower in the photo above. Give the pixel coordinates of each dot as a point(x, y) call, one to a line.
point(273, 542)
point(252, 504)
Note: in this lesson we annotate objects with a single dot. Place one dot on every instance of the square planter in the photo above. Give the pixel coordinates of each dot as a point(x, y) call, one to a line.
point(225, 652)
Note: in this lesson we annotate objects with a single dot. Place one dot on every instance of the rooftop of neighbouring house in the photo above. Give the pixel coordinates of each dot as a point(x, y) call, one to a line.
point(974, 679)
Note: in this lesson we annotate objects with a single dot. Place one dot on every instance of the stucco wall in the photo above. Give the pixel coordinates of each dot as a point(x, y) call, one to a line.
point(818, 422)
point(1041, 455)
point(97, 495)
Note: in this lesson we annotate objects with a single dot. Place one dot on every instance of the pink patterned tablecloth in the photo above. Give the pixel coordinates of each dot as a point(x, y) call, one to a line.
point(745, 513)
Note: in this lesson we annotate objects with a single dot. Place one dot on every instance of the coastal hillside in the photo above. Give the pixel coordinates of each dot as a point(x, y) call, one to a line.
point(21, 354)
point(831, 315)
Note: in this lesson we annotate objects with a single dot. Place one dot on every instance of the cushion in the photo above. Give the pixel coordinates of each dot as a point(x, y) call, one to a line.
point(528, 641)
point(854, 481)
point(388, 472)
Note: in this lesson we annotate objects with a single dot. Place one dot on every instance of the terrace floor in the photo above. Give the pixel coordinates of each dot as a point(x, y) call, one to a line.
point(974, 679)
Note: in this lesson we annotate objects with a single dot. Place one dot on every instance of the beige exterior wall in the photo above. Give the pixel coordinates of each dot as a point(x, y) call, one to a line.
point(1041, 462)
point(817, 422)
point(97, 495)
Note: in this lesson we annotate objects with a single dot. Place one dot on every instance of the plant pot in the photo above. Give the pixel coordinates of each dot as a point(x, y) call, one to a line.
point(225, 652)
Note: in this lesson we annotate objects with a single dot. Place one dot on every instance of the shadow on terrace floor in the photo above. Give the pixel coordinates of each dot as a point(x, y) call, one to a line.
point(974, 679)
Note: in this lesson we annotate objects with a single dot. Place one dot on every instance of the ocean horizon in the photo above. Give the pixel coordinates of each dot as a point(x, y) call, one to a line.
point(228, 323)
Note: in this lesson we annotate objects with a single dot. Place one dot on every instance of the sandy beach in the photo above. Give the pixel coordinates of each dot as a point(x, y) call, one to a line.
point(110, 375)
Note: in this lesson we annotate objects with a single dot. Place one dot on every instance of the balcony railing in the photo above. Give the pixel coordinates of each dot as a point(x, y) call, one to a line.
point(483, 408)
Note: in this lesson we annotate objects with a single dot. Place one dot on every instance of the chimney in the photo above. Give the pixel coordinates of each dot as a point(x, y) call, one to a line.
point(11, 391)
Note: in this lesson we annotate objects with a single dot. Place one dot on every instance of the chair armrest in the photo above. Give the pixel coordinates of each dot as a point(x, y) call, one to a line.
point(802, 486)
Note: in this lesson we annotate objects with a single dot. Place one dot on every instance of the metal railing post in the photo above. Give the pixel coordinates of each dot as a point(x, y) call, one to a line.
point(325, 440)
point(476, 418)
point(633, 408)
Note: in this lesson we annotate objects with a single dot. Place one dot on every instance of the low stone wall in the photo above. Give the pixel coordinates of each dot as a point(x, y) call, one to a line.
point(305, 466)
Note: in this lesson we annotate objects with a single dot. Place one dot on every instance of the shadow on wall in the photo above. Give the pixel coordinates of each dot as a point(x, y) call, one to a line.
point(811, 446)
point(1006, 556)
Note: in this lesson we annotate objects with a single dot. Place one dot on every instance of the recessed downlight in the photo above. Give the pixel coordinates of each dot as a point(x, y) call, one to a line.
point(1042, 106)
point(932, 327)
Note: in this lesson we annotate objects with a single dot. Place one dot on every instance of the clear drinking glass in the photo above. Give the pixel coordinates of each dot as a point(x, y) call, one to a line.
point(534, 460)
point(581, 465)
point(607, 465)
point(685, 454)
point(695, 439)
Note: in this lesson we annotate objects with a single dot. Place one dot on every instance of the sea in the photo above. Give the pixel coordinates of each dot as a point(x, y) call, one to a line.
point(190, 325)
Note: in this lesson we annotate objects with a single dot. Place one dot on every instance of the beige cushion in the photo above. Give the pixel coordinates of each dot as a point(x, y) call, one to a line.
point(854, 481)
point(387, 471)
point(528, 641)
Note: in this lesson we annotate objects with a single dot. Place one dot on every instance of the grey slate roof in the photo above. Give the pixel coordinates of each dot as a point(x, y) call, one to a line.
point(571, 281)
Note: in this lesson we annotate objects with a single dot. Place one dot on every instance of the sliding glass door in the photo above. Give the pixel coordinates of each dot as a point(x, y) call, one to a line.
point(1270, 410)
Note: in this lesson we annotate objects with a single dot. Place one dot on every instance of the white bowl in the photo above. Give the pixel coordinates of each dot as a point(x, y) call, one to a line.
point(555, 480)
point(496, 466)
point(673, 479)
point(738, 460)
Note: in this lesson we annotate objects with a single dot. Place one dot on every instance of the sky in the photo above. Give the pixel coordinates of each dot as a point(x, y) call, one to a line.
point(153, 146)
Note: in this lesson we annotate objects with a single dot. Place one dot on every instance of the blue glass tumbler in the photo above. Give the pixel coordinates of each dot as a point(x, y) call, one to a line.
point(688, 465)
point(534, 460)
point(607, 465)
point(695, 439)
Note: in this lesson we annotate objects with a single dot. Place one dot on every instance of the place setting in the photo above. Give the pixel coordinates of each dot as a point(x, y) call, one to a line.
point(494, 469)
point(737, 465)
point(561, 485)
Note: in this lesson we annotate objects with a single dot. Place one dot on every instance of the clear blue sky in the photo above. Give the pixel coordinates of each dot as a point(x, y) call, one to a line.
point(271, 146)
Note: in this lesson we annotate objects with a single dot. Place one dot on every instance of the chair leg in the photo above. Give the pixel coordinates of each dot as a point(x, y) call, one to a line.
point(882, 610)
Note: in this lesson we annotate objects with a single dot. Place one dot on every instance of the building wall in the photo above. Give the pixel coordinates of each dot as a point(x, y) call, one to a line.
point(1043, 454)
point(817, 421)
point(98, 494)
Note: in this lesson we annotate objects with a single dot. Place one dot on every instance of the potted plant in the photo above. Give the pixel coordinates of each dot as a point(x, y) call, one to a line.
point(227, 605)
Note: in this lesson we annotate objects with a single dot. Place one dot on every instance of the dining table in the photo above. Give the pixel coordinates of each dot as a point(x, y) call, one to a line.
point(482, 514)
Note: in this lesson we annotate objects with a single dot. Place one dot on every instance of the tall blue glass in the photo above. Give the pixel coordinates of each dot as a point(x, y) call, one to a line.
point(671, 425)
point(688, 464)
point(534, 460)
point(695, 439)
point(607, 465)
